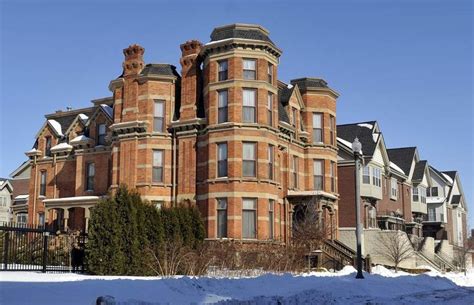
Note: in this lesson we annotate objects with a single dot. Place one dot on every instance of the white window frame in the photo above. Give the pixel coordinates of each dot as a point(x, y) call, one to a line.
point(249, 209)
point(249, 66)
point(249, 97)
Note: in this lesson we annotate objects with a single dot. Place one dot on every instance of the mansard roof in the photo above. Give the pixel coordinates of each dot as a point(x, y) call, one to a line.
point(240, 30)
point(159, 69)
point(66, 118)
point(403, 157)
point(309, 82)
point(363, 131)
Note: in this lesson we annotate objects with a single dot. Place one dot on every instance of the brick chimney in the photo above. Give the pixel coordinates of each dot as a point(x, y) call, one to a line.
point(133, 63)
point(190, 79)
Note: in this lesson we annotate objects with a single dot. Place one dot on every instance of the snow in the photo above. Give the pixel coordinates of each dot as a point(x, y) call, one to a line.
point(83, 117)
point(375, 137)
point(395, 167)
point(61, 146)
point(57, 127)
point(448, 178)
point(347, 143)
point(370, 126)
point(21, 197)
point(79, 139)
point(108, 110)
point(289, 86)
point(383, 286)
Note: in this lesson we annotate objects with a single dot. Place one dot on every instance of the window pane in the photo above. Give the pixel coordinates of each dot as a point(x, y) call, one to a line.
point(102, 129)
point(157, 174)
point(249, 151)
point(317, 120)
point(158, 112)
point(248, 168)
point(157, 158)
point(223, 65)
point(158, 124)
point(318, 167)
point(222, 151)
point(222, 223)
point(249, 97)
point(249, 114)
point(249, 204)
point(249, 64)
point(222, 98)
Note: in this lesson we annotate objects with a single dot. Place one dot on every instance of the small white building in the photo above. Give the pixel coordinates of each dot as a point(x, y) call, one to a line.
point(6, 191)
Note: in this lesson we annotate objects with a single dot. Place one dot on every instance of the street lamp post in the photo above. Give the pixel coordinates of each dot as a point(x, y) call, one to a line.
point(357, 149)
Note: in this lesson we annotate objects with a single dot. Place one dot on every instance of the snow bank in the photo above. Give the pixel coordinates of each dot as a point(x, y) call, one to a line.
point(381, 287)
point(366, 125)
point(57, 127)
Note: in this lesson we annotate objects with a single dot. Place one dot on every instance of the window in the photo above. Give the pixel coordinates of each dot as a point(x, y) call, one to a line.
point(41, 219)
point(317, 128)
point(158, 116)
point(22, 218)
point(318, 174)
point(48, 146)
point(431, 214)
point(249, 106)
point(249, 218)
point(293, 116)
point(221, 217)
point(158, 204)
point(249, 159)
point(43, 183)
point(333, 176)
point(157, 175)
point(101, 134)
point(90, 174)
point(250, 69)
point(294, 171)
point(222, 70)
point(270, 161)
point(270, 108)
point(415, 194)
point(366, 175)
point(270, 73)
point(222, 160)
point(422, 194)
point(434, 191)
point(222, 112)
point(332, 128)
point(394, 188)
point(271, 209)
point(376, 176)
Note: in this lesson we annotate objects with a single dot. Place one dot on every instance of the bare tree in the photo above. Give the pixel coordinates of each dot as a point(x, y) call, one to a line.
point(461, 255)
point(395, 247)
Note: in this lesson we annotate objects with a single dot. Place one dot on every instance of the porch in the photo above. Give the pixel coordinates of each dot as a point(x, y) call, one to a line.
point(69, 213)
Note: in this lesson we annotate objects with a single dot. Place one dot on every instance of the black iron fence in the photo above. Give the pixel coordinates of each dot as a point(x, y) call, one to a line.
point(36, 248)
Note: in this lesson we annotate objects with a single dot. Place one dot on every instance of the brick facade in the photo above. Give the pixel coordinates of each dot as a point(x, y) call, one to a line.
point(162, 133)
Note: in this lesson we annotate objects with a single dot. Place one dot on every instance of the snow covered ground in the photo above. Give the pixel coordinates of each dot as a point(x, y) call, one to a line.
point(381, 287)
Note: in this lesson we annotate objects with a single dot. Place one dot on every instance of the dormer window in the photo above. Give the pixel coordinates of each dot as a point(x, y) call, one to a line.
point(222, 70)
point(101, 132)
point(294, 112)
point(48, 146)
point(250, 71)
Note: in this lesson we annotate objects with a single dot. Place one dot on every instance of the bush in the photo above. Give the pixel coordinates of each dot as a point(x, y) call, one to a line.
point(128, 236)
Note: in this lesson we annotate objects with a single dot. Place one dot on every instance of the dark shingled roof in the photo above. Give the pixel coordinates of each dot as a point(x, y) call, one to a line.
point(309, 82)
point(419, 171)
point(232, 31)
point(438, 173)
point(349, 132)
point(282, 115)
point(159, 69)
point(451, 174)
point(402, 157)
point(284, 95)
point(456, 199)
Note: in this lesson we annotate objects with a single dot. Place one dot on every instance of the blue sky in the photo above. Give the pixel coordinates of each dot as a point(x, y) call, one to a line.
point(406, 64)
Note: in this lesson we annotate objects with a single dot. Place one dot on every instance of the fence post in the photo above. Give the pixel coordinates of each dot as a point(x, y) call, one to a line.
point(5, 250)
point(45, 250)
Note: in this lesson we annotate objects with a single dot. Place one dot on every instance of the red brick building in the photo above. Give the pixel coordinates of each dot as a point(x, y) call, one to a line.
point(225, 134)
